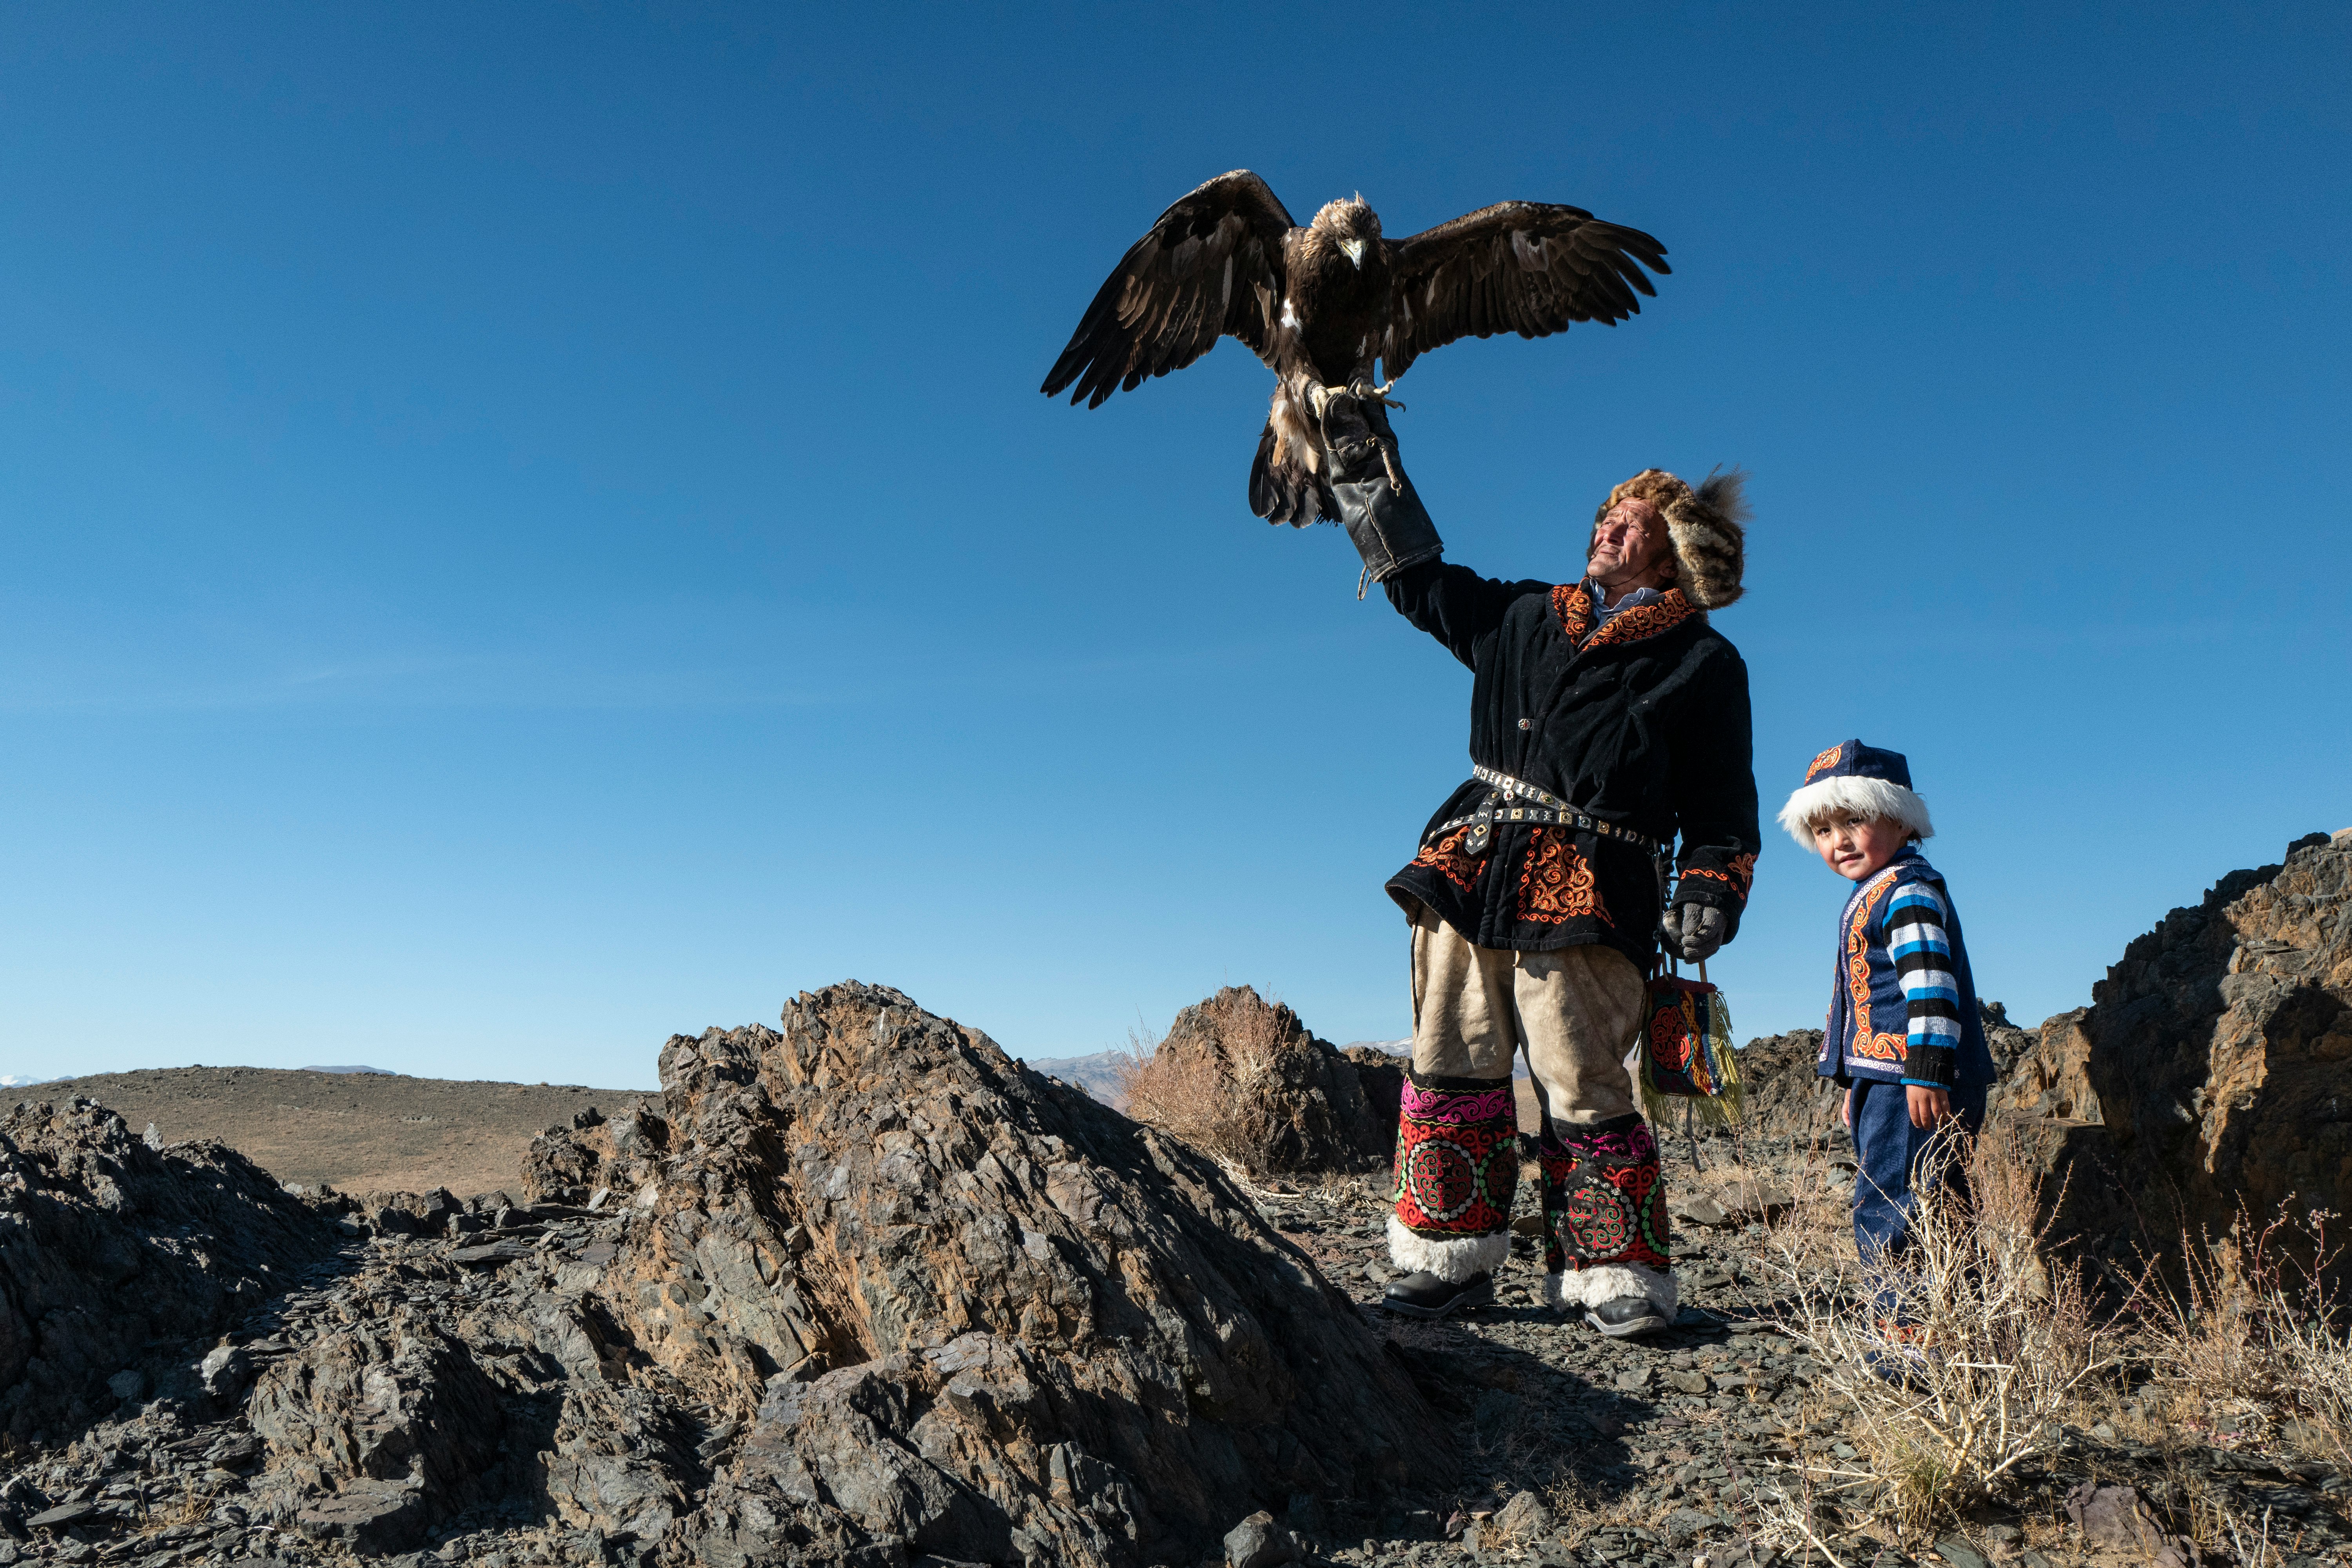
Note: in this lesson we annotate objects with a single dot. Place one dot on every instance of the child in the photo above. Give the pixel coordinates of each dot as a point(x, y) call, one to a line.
point(1904, 1035)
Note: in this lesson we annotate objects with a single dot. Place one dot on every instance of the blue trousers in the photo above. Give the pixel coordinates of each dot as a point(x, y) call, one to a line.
point(1894, 1157)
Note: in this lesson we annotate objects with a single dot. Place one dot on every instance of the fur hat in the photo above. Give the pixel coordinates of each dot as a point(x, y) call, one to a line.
point(1863, 779)
point(1706, 527)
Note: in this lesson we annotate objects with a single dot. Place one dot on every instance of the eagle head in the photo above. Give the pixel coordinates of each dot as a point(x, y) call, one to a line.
point(1350, 225)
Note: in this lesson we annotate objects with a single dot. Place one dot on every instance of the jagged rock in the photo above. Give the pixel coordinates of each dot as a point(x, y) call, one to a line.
point(946, 1300)
point(1697, 1208)
point(372, 1518)
point(224, 1369)
point(1747, 1201)
point(1524, 1518)
point(2007, 1042)
point(865, 1291)
point(491, 1254)
point(2117, 1517)
point(2212, 1073)
point(1259, 1542)
point(562, 1166)
point(380, 1406)
point(1959, 1551)
point(1245, 1080)
point(110, 1248)
point(2050, 1078)
point(1782, 1094)
point(1380, 1077)
point(1785, 1096)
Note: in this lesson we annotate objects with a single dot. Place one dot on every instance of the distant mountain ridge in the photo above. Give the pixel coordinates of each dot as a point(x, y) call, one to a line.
point(358, 1129)
point(1102, 1075)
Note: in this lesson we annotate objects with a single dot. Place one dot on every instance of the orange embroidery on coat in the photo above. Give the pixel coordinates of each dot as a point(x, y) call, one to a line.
point(1857, 971)
point(1445, 858)
point(1825, 762)
point(1556, 883)
point(1646, 620)
point(1881, 1048)
point(1573, 606)
point(1736, 876)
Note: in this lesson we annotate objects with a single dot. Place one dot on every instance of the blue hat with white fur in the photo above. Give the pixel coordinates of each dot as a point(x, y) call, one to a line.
point(1859, 780)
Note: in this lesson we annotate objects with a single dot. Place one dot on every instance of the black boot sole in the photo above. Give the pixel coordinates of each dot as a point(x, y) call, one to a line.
point(1469, 1301)
point(1630, 1328)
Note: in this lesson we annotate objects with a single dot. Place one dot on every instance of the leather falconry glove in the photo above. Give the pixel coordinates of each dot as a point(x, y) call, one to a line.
point(1390, 528)
point(1694, 930)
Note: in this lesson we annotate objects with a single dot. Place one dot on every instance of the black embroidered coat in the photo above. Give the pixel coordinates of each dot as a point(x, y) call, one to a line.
point(1643, 724)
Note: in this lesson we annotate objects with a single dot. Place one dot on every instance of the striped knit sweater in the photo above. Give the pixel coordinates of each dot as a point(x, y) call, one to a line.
point(1916, 921)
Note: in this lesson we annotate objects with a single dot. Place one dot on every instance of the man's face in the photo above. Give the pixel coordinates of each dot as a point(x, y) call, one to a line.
point(1856, 846)
point(1629, 542)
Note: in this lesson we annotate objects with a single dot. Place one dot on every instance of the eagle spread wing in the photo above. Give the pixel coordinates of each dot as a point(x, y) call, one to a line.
point(1211, 266)
point(1528, 267)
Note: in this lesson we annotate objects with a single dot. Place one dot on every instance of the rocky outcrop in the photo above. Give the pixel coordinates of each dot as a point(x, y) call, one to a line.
point(856, 1291)
point(1782, 1095)
point(1026, 1327)
point(1379, 1076)
point(111, 1247)
point(2049, 1078)
point(1244, 1079)
point(2212, 1077)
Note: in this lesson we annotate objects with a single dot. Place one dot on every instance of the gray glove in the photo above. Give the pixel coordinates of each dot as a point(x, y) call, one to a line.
point(1378, 507)
point(1694, 930)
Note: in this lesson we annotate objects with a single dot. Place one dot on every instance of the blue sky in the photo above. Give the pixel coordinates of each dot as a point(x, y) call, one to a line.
point(530, 527)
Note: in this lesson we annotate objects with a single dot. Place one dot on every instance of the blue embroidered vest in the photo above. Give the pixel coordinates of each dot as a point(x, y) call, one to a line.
point(1870, 1021)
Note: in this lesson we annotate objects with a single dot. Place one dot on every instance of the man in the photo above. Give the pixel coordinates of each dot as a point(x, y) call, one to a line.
point(1606, 717)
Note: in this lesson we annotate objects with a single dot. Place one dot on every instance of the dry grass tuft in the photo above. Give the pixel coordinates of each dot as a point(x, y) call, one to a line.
point(1953, 1363)
point(2254, 1341)
point(1580, 1510)
point(1215, 1095)
point(1815, 1228)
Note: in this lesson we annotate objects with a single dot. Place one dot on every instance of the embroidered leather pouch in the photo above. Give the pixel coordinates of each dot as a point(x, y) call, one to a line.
point(1686, 1052)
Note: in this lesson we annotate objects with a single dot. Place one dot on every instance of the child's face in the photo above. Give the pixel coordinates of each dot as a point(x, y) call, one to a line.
point(1855, 846)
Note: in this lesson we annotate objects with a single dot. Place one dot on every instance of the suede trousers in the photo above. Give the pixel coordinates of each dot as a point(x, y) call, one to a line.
point(1576, 1013)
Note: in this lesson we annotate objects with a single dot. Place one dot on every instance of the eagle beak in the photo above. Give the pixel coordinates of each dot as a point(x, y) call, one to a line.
point(1355, 250)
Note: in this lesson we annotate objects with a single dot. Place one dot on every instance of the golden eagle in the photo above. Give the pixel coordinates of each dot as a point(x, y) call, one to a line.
point(1319, 304)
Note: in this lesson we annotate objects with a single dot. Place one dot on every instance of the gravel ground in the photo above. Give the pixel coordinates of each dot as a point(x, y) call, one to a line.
point(1671, 1448)
point(1576, 1450)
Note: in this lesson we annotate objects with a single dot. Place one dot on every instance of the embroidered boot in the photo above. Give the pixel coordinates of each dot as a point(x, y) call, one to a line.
point(1607, 1249)
point(1457, 1166)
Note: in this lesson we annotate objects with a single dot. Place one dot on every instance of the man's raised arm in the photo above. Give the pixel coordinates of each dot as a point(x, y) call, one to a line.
point(1392, 531)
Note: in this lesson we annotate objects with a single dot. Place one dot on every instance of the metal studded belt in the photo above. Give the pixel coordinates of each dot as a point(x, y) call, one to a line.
point(1545, 810)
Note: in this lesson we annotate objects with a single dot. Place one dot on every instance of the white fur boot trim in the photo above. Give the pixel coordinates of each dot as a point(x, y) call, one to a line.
point(1591, 1287)
point(1451, 1259)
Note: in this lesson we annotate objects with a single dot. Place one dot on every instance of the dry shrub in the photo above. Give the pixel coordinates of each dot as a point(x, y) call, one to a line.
point(1956, 1358)
point(1215, 1089)
point(1580, 1510)
point(1814, 1230)
point(2254, 1334)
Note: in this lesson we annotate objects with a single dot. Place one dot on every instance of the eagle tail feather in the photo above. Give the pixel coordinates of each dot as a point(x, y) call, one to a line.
point(1282, 490)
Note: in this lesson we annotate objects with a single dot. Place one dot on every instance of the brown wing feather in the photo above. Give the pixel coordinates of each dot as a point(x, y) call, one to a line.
point(1528, 267)
point(1209, 267)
